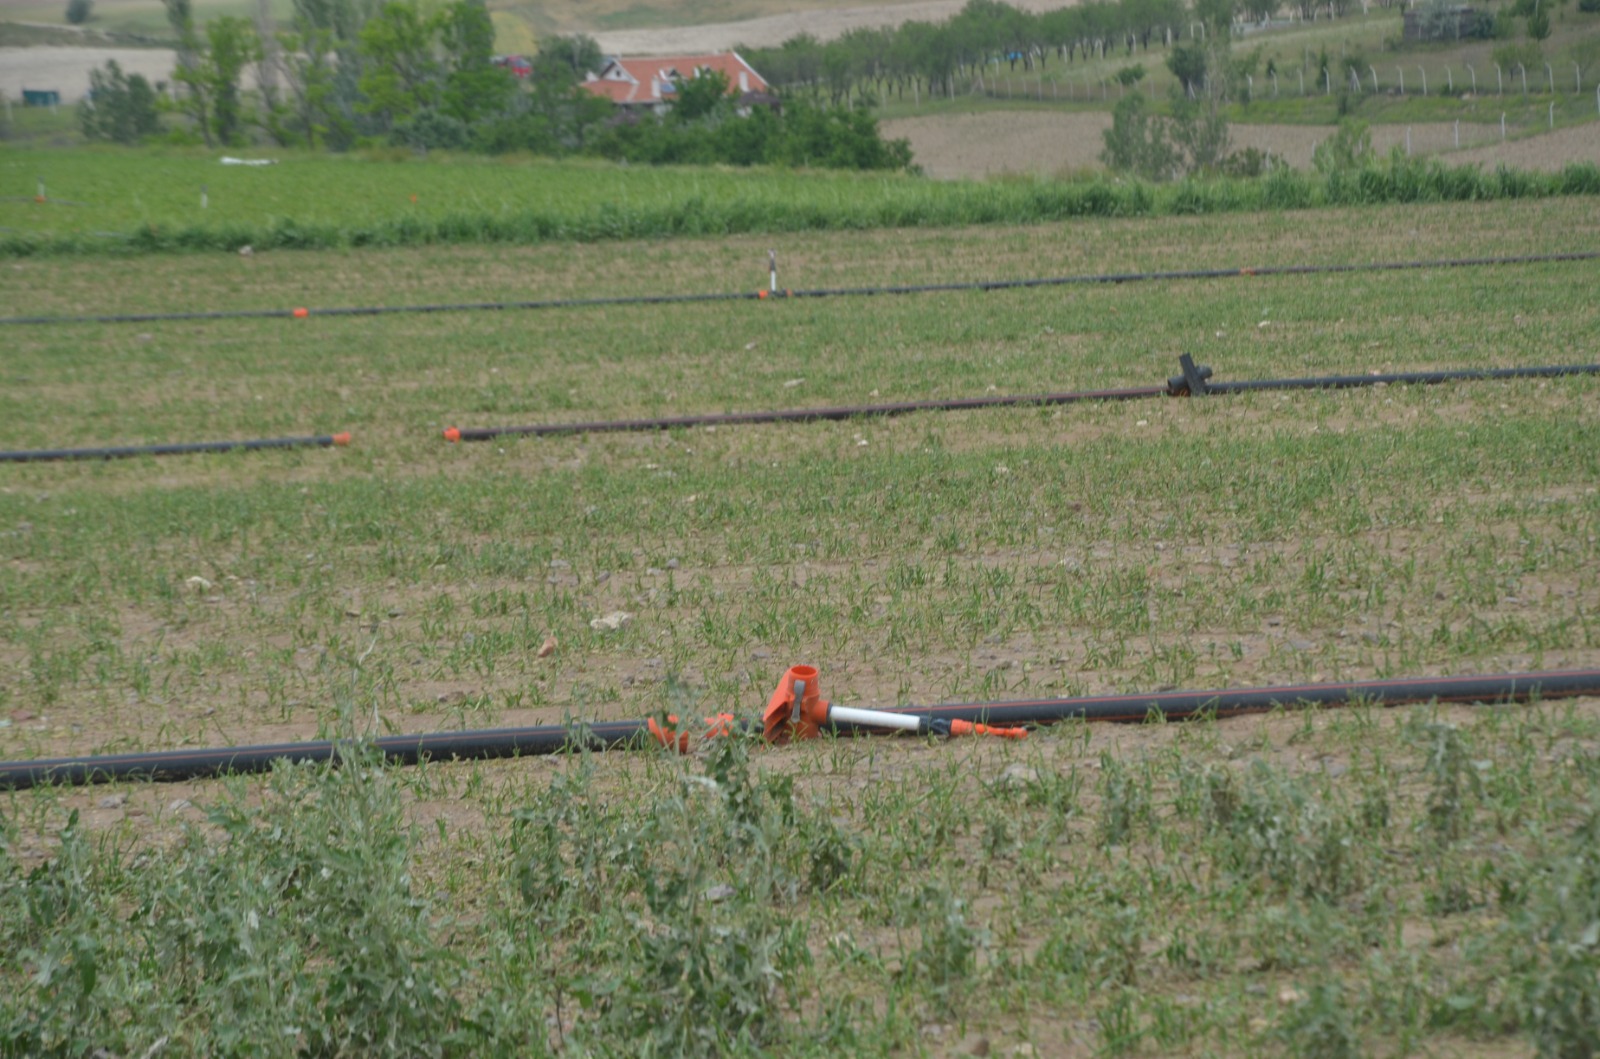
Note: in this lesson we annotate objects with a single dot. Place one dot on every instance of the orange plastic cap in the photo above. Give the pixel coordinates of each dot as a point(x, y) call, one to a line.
point(452, 434)
point(301, 313)
point(762, 295)
point(342, 439)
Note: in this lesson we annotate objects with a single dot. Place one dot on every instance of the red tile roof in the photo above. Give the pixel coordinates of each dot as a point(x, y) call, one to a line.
point(639, 81)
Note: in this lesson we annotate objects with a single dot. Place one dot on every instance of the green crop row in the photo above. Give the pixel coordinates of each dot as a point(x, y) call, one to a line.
point(143, 204)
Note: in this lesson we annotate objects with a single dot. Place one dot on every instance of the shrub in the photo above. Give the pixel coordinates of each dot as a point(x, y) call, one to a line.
point(120, 107)
point(1346, 150)
point(429, 130)
point(1137, 141)
point(78, 11)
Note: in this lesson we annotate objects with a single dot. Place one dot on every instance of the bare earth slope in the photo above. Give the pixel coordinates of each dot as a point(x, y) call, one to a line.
point(775, 29)
point(66, 70)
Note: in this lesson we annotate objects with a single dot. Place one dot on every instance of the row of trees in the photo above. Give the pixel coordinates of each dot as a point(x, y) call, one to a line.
point(348, 72)
point(928, 58)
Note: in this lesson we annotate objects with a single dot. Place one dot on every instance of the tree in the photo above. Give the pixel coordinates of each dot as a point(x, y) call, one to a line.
point(474, 86)
point(566, 59)
point(1261, 10)
point(1188, 64)
point(78, 11)
point(311, 110)
point(233, 45)
point(1137, 141)
point(401, 75)
point(119, 108)
point(701, 96)
point(1538, 23)
point(1200, 134)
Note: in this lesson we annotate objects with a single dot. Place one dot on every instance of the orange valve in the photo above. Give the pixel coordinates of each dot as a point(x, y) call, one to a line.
point(452, 434)
point(342, 439)
point(301, 313)
point(796, 711)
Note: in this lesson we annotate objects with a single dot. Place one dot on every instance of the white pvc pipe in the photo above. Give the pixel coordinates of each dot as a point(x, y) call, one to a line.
point(906, 722)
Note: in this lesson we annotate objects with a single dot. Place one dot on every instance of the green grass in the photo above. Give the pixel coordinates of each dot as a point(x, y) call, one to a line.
point(110, 201)
point(1414, 881)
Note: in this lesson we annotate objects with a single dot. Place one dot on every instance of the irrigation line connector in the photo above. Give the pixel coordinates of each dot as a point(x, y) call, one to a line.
point(796, 710)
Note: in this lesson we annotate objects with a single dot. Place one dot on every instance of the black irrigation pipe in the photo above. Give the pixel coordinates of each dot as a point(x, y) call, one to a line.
point(38, 455)
point(821, 292)
point(1193, 382)
point(169, 765)
point(802, 415)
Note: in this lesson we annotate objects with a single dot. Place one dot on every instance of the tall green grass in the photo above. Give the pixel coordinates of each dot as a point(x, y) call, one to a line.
point(146, 203)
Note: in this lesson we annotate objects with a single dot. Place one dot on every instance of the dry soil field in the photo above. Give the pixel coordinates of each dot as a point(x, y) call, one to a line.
point(951, 146)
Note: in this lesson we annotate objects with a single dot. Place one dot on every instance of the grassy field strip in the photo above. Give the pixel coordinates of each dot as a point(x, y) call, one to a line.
point(396, 381)
point(282, 280)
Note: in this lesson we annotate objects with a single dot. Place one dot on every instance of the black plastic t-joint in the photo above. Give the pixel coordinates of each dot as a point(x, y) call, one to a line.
point(1192, 383)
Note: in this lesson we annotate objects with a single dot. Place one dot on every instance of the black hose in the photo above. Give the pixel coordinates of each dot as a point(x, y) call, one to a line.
point(1194, 380)
point(822, 292)
point(802, 415)
point(1186, 383)
point(1181, 705)
point(550, 739)
point(170, 765)
point(35, 455)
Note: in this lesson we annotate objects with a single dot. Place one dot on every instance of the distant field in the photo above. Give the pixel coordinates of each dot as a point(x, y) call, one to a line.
point(1368, 880)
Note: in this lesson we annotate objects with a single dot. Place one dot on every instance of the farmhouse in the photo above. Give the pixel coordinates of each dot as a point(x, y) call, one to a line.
point(651, 84)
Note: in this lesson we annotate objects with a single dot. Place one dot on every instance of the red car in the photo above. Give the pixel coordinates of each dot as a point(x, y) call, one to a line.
point(517, 64)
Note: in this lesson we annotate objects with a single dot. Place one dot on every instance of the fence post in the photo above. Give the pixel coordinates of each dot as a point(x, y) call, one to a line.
point(1424, 74)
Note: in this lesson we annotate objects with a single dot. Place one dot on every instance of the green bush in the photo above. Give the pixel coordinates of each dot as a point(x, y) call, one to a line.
point(1348, 149)
point(78, 11)
point(120, 107)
